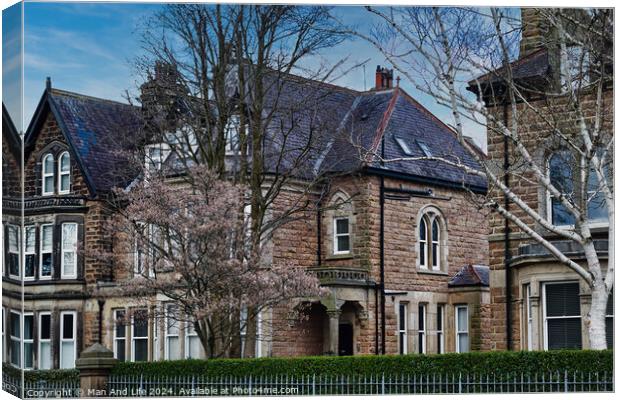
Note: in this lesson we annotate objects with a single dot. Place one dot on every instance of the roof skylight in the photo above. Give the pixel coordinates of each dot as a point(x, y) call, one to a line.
point(403, 145)
point(427, 152)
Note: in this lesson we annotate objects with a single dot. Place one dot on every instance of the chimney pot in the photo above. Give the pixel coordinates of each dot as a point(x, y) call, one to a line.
point(383, 78)
point(48, 83)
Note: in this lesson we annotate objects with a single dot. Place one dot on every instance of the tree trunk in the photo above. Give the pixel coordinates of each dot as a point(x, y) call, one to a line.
point(595, 319)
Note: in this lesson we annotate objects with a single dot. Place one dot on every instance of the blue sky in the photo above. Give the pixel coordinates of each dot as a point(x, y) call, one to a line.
point(88, 48)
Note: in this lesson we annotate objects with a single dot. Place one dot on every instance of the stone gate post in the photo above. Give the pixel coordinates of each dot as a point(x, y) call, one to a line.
point(94, 365)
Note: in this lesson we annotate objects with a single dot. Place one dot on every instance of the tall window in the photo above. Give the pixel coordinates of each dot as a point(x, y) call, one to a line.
point(120, 333)
point(243, 328)
point(429, 241)
point(402, 328)
point(172, 345)
point(140, 336)
point(68, 258)
point(47, 177)
point(30, 252)
point(64, 173)
point(68, 336)
point(609, 322)
point(28, 341)
point(45, 257)
point(232, 135)
point(192, 342)
point(155, 339)
point(422, 328)
point(45, 341)
point(528, 315)
point(562, 312)
point(14, 239)
point(15, 332)
point(342, 237)
point(440, 329)
point(259, 335)
point(462, 329)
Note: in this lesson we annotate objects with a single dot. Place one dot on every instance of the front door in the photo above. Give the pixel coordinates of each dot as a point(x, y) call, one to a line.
point(345, 340)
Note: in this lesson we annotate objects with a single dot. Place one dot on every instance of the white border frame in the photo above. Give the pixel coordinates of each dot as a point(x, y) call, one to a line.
point(45, 174)
point(544, 306)
point(41, 276)
point(456, 327)
point(62, 251)
point(337, 235)
point(61, 173)
point(132, 337)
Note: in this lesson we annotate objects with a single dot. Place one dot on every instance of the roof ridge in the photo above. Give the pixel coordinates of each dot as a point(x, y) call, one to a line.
point(62, 92)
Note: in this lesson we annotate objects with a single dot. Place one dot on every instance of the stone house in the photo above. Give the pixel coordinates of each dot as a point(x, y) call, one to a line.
point(401, 245)
point(538, 303)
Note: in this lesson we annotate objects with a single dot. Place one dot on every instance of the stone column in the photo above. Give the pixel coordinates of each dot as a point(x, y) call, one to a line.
point(94, 365)
point(334, 322)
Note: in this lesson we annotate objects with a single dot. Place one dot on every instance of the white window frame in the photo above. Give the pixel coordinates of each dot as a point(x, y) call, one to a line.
point(441, 319)
point(436, 261)
point(167, 335)
point(258, 352)
point(29, 341)
point(190, 333)
point(528, 316)
point(133, 338)
point(156, 353)
point(545, 318)
point(63, 275)
point(422, 329)
point(50, 251)
point(30, 253)
point(116, 338)
point(423, 243)
point(337, 235)
point(47, 174)
point(402, 330)
point(41, 341)
point(62, 173)
point(19, 260)
point(62, 334)
point(458, 329)
point(17, 339)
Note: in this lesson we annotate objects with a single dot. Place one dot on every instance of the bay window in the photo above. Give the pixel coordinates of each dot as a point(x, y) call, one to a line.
point(68, 334)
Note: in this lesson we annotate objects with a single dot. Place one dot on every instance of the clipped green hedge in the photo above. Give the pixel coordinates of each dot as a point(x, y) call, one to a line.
point(586, 361)
point(50, 375)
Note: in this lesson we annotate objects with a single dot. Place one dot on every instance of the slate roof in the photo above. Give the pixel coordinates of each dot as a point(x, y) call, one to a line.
point(471, 275)
point(97, 130)
point(410, 122)
point(533, 65)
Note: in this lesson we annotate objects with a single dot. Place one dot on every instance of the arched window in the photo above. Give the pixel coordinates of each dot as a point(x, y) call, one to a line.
point(64, 172)
point(430, 241)
point(47, 178)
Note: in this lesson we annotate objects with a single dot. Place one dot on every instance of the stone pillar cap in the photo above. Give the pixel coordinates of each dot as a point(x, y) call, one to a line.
point(96, 356)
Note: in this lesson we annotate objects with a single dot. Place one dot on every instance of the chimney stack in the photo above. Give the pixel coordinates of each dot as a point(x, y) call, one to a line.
point(383, 78)
point(534, 31)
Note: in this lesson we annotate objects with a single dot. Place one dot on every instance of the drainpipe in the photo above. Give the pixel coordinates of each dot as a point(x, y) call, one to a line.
point(507, 255)
point(318, 235)
point(101, 303)
point(382, 246)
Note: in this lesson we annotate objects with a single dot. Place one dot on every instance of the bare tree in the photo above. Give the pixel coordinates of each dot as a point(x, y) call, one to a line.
point(442, 51)
point(220, 94)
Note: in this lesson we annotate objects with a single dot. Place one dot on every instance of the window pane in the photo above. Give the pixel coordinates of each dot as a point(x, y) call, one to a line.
point(15, 353)
point(69, 237)
point(68, 263)
point(28, 327)
point(67, 355)
point(560, 215)
point(141, 349)
point(48, 183)
point(560, 174)
point(422, 253)
point(120, 324)
point(65, 181)
point(439, 318)
point(30, 265)
point(194, 347)
point(463, 342)
point(67, 326)
point(342, 225)
point(120, 349)
point(141, 327)
point(30, 239)
point(609, 332)
point(421, 317)
point(45, 358)
point(564, 333)
point(462, 319)
point(46, 237)
point(174, 352)
point(13, 239)
point(15, 325)
point(343, 243)
point(46, 327)
point(435, 230)
point(562, 300)
point(46, 264)
point(435, 248)
point(64, 162)
point(28, 355)
point(48, 164)
point(402, 314)
point(422, 229)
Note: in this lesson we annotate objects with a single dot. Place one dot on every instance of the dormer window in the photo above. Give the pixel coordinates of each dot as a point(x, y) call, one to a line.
point(48, 174)
point(64, 173)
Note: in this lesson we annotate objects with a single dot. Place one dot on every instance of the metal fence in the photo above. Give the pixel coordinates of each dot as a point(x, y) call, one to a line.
point(139, 386)
point(41, 389)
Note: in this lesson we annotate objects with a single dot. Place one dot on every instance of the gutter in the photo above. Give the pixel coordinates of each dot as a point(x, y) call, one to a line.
point(422, 179)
